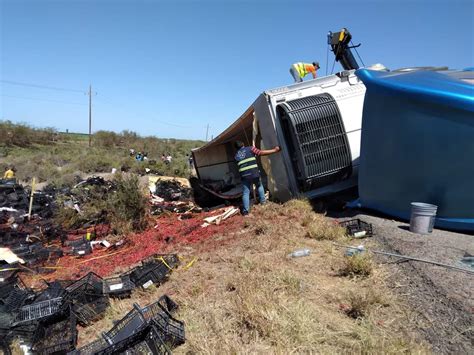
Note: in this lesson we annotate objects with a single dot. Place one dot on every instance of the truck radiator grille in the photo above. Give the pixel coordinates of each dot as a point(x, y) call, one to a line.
point(317, 140)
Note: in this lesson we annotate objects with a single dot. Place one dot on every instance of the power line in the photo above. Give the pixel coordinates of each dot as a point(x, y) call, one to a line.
point(38, 99)
point(11, 82)
point(109, 102)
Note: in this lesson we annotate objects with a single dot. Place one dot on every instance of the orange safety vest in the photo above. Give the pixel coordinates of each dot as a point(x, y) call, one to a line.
point(301, 68)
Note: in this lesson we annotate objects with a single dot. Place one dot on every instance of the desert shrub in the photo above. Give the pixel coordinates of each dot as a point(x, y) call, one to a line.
point(357, 265)
point(322, 228)
point(22, 135)
point(95, 161)
point(360, 303)
point(105, 139)
point(127, 205)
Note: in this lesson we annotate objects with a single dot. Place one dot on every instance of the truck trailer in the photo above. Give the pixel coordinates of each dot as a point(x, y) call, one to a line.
point(317, 123)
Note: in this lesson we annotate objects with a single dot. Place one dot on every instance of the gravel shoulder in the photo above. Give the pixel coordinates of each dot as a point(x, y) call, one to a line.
point(442, 299)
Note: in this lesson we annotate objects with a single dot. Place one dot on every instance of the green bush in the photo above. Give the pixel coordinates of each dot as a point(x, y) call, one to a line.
point(22, 135)
point(128, 205)
point(105, 139)
point(357, 265)
point(48, 155)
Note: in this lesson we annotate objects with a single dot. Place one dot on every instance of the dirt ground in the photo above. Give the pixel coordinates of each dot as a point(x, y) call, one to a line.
point(242, 294)
point(442, 298)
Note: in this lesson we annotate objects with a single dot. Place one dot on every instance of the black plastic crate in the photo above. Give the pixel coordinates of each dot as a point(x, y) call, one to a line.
point(120, 286)
point(171, 260)
point(149, 273)
point(172, 329)
point(6, 287)
point(24, 331)
point(54, 290)
point(89, 284)
point(82, 250)
point(65, 283)
point(170, 305)
point(147, 341)
point(87, 298)
point(56, 335)
point(357, 228)
point(88, 312)
point(6, 319)
point(92, 348)
point(133, 322)
point(38, 310)
point(17, 297)
point(75, 242)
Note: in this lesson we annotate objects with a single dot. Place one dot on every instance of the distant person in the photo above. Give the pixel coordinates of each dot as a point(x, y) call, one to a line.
point(139, 156)
point(190, 161)
point(249, 172)
point(163, 158)
point(132, 152)
point(9, 173)
point(169, 158)
point(300, 70)
point(145, 156)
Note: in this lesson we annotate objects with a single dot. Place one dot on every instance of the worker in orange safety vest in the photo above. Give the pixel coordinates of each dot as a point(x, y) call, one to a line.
point(300, 70)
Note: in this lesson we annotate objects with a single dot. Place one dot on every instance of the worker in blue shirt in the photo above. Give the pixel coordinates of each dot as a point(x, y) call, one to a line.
point(249, 172)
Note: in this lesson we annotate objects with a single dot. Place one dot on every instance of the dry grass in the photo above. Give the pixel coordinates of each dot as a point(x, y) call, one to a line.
point(357, 265)
point(361, 302)
point(248, 297)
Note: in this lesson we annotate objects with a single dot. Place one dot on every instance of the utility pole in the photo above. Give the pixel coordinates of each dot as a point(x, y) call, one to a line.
point(207, 131)
point(90, 115)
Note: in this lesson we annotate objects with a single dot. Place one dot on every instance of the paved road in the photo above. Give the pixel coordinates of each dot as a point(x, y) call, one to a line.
point(443, 299)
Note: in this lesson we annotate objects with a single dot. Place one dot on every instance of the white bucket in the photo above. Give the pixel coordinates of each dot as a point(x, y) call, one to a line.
point(422, 217)
point(114, 170)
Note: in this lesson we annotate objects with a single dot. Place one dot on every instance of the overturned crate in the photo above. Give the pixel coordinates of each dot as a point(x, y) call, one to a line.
point(171, 329)
point(15, 295)
point(87, 298)
point(120, 286)
point(127, 326)
point(92, 348)
point(148, 330)
point(56, 335)
point(153, 270)
point(38, 310)
point(357, 228)
point(148, 340)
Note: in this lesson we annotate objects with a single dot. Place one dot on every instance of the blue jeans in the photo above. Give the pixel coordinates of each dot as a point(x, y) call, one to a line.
point(296, 76)
point(246, 185)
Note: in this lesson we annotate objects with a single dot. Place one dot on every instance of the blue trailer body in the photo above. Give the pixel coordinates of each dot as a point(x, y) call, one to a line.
point(417, 144)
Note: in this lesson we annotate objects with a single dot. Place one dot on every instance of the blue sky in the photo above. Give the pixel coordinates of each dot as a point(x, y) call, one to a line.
point(169, 68)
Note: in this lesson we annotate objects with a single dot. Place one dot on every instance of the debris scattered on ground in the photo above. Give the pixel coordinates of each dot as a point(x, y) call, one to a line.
point(468, 260)
point(357, 228)
point(52, 277)
point(151, 329)
point(351, 250)
point(228, 212)
point(28, 315)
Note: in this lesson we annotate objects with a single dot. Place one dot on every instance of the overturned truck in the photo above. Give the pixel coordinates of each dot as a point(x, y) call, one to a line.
point(318, 125)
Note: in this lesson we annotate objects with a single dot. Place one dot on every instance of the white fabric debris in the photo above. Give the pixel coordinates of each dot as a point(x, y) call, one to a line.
point(10, 257)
